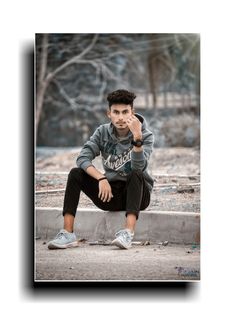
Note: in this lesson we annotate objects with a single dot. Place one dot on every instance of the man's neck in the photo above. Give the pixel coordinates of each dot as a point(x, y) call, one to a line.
point(122, 133)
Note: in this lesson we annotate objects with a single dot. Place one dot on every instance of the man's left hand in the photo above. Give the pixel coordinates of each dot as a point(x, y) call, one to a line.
point(135, 126)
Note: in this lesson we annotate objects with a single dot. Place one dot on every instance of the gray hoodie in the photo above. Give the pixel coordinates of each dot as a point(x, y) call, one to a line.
point(118, 158)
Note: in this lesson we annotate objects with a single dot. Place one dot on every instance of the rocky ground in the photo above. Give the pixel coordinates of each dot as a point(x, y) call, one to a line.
point(176, 172)
point(99, 262)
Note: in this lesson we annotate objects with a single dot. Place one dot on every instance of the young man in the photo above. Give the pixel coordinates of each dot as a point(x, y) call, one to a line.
point(125, 145)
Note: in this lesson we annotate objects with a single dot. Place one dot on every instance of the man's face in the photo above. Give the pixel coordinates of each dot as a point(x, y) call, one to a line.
point(118, 114)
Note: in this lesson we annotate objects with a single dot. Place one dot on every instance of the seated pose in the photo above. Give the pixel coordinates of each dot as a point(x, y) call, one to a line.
point(125, 145)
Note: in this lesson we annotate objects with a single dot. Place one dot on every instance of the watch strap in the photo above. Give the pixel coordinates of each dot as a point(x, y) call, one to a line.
point(137, 143)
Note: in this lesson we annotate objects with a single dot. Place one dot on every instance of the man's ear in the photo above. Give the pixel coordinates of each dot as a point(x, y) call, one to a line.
point(109, 113)
point(133, 111)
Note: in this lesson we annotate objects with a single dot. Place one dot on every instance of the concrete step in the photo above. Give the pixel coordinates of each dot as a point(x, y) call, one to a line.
point(95, 224)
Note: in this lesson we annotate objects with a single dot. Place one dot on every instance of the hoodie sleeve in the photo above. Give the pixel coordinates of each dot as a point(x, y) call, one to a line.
point(90, 150)
point(139, 160)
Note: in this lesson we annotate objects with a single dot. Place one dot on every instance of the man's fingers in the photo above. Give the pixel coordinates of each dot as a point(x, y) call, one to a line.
point(101, 194)
point(132, 118)
point(103, 197)
point(109, 197)
point(106, 196)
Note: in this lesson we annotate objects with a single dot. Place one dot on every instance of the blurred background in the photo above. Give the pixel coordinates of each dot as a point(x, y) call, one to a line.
point(75, 72)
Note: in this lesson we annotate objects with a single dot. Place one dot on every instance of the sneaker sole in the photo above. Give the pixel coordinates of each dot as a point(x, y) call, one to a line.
point(120, 244)
point(53, 246)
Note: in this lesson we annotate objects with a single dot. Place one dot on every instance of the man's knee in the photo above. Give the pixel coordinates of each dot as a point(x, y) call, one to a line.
point(136, 172)
point(75, 173)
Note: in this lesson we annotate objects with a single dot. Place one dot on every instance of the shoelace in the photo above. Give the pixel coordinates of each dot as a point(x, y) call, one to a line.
point(125, 234)
point(61, 234)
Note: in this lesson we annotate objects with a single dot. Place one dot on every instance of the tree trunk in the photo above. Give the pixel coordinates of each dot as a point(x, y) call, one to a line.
point(152, 86)
point(40, 99)
point(42, 83)
point(165, 101)
point(45, 79)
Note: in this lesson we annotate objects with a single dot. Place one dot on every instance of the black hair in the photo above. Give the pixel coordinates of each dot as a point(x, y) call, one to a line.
point(121, 96)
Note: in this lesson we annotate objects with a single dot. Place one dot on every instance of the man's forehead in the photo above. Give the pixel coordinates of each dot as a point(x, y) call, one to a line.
point(120, 107)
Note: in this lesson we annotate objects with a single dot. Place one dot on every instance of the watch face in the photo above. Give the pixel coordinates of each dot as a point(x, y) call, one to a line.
point(139, 143)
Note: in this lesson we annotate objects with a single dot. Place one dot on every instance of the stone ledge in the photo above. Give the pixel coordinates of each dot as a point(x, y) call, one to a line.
point(95, 224)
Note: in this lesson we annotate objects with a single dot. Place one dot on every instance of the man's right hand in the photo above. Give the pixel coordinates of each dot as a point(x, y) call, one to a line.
point(105, 193)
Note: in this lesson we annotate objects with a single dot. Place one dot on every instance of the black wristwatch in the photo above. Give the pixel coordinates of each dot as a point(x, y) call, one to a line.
point(137, 143)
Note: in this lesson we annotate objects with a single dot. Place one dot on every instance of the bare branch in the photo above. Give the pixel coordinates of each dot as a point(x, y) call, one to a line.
point(101, 91)
point(71, 101)
point(73, 104)
point(95, 38)
point(74, 59)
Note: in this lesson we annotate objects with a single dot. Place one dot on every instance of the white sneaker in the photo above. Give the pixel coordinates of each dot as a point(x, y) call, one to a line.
point(63, 240)
point(123, 239)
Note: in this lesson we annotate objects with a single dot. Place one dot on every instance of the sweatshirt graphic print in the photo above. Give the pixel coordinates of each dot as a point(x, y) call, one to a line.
point(117, 162)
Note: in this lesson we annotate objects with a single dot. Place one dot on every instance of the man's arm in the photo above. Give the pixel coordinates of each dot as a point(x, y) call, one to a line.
point(89, 151)
point(140, 155)
point(93, 172)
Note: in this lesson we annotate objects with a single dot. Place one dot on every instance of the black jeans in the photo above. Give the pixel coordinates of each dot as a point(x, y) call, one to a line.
point(130, 196)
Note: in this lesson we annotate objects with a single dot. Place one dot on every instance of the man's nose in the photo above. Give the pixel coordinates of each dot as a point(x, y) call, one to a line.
point(121, 117)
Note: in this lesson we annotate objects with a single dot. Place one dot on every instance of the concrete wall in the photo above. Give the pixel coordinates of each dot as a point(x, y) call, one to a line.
point(95, 224)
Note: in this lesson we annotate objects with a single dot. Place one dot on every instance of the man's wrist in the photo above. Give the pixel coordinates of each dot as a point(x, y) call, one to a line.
point(102, 178)
point(93, 172)
point(137, 136)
